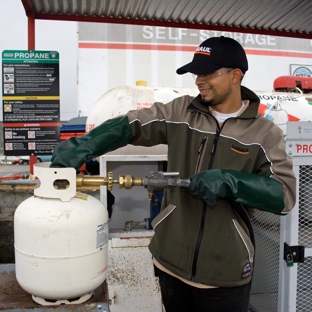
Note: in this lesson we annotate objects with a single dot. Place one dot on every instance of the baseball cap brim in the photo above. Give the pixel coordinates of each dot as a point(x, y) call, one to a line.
point(215, 53)
point(198, 68)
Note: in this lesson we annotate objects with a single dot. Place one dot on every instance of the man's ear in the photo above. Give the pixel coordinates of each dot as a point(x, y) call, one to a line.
point(237, 76)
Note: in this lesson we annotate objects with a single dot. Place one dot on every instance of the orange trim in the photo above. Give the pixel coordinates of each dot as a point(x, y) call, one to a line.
point(279, 53)
point(163, 47)
point(236, 151)
point(204, 53)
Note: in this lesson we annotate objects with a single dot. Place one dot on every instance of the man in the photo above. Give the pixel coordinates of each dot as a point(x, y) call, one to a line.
point(203, 247)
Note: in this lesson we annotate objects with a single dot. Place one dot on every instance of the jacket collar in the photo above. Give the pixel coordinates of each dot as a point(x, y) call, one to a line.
point(250, 112)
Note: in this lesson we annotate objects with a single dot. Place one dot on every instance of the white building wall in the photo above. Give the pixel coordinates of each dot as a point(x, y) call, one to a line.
point(116, 55)
point(264, 69)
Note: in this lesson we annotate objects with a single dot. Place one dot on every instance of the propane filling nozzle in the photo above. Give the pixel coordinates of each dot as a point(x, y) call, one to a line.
point(159, 180)
point(126, 181)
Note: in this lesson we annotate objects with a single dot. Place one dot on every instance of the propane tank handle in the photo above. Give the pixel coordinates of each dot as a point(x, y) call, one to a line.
point(54, 182)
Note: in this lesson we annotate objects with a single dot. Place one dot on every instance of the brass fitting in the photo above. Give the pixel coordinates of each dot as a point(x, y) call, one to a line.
point(126, 181)
point(95, 181)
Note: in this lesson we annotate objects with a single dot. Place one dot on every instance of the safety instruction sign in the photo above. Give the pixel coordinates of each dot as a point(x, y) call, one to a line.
point(31, 102)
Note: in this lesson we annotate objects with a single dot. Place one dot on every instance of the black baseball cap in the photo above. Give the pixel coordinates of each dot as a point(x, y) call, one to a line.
point(215, 53)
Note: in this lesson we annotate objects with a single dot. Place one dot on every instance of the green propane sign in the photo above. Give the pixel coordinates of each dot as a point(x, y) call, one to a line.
point(31, 102)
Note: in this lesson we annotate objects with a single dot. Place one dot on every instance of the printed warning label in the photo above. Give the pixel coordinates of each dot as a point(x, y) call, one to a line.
point(101, 235)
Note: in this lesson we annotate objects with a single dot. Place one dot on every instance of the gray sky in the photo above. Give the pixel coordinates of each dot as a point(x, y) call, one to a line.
point(50, 36)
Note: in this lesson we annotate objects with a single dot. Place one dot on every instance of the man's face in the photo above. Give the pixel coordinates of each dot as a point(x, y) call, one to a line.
point(216, 87)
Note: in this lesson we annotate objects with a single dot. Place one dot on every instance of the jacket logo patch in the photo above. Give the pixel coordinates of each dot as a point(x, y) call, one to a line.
point(246, 270)
point(239, 150)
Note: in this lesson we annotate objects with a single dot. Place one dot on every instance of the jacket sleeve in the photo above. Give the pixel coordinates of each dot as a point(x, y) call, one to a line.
point(149, 125)
point(106, 137)
point(251, 190)
point(138, 127)
point(279, 166)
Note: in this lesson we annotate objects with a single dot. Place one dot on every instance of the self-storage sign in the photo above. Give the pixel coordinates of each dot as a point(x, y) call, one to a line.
point(299, 138)
point(31, 102)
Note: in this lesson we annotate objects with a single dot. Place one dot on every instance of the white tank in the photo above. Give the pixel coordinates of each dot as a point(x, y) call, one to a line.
point(120, 100)
point(60, 240)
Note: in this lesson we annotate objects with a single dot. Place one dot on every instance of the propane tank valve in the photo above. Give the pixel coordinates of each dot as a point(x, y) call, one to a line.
point(124, 181)
point(95, 181)
point(157, 181)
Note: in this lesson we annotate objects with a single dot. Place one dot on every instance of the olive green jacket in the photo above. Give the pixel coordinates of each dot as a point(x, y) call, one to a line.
point(212, 245)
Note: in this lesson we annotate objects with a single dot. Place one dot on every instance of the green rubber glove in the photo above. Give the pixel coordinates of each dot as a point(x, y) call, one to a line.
point(251, 190)
point(106, 137)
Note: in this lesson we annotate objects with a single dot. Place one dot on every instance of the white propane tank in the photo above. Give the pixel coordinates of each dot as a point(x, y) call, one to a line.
point(120, 100)
point(281, 107)
point(60, 240)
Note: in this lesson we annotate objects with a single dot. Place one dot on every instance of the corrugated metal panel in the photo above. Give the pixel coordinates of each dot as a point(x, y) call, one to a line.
point(275, 17)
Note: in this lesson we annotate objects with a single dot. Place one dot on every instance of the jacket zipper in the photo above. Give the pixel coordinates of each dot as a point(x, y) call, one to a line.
point(202, 223)
point(199, 238)
point(213, 150)
point(241, 211)
point(200, 151)
point(202, 144)
point(203, 216)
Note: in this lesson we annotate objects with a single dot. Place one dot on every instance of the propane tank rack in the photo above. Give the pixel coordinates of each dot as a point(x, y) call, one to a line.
point(282, 276)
